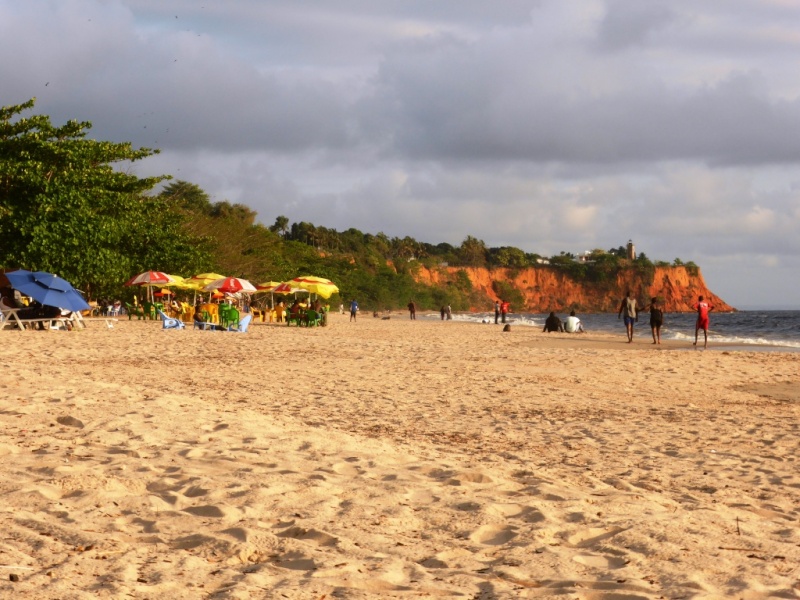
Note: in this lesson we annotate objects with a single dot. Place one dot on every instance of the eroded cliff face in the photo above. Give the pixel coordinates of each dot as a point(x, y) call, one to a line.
point(545, 288)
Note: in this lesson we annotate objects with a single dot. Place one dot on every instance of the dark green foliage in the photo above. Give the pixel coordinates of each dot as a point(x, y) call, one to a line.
point(64, 208)
point(507, 292)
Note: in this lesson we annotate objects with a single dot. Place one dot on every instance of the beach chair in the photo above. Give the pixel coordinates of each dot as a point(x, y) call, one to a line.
point(242, 326)
point(295, 318)
point(313, 318)
point(228, 316)
point(149, 310)
point(134, 310)
point(169, 322)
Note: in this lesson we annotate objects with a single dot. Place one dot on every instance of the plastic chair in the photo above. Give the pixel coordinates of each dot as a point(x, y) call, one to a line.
point(169, 322)
point(149, 310)
point(313, 318)
point(228, 316)
point(242, 325)
point(296, 318)
point(134, 310)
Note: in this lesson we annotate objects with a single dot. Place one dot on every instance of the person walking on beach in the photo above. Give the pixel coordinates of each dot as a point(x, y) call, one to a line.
point(703, 308)
point(353, 309)
point(412, 310)
point(504, 308)
point(628, 307)
point(496, 312)
point(656, 319)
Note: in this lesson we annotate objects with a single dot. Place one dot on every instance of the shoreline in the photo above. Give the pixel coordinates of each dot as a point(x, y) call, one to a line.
point(642, 334)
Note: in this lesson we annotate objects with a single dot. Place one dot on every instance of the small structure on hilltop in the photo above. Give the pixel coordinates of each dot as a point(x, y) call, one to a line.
point(631, 251)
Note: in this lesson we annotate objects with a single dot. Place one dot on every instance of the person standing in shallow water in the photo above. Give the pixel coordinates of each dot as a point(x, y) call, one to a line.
point(412, 310)
point(628, 307)
point(656, 319)
point(496, 312)
point(703, 308)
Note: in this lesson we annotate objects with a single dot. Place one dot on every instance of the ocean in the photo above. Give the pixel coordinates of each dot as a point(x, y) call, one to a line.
point(755, 328)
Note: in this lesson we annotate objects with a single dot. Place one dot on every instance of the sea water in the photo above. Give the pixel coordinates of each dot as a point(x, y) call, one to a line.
point(747, 327)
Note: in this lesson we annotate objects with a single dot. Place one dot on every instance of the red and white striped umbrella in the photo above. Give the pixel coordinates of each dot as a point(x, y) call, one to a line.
point(230, 285)
point(150, 278)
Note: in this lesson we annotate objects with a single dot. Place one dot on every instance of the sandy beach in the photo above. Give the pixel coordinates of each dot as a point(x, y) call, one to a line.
point(394, 459)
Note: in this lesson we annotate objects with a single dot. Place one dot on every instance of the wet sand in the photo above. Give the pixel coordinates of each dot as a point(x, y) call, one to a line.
point(394, 459)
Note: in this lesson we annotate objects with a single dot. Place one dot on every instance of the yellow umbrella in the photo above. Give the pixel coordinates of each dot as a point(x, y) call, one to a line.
point(316, 285)
point(205, 278)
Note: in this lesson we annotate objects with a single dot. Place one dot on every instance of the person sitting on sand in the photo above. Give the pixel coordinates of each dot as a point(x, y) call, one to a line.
point(553, 323)
point(572, 324)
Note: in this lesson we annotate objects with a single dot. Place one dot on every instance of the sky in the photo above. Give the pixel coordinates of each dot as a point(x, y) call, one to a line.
point(548, 125)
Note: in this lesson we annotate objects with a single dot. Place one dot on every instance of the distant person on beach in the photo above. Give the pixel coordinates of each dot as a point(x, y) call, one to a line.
point(496, 312)
point(449, 313)
point(572, 324)
point(412, 310)
point(656, 319)
point(353, 309)
point(504, 308)
point(552, 323)
point(341, 308)
point(628, 309)
point(703, 308)
point(443, 312)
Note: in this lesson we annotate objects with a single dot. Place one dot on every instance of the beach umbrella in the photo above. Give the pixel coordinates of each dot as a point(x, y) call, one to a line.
point(47, 289)
point(287, 288)
point(315, 285)
point(199, 281)
point(204, 278)
point(150, 279)
point(267, 287)
point(231, 285)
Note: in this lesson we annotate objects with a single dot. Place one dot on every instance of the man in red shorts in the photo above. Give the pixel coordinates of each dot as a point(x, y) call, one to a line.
point(702, 308)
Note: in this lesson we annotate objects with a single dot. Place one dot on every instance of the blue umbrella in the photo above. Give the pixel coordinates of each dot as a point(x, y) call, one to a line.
point(47, 289)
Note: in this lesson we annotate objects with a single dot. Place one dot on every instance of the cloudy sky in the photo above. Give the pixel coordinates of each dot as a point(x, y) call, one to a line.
point(548, 125)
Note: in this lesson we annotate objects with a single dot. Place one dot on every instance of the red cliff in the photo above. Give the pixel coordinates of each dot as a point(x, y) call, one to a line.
point(543, 289)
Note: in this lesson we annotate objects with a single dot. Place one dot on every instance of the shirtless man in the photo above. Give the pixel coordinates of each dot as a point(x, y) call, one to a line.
point(702, 308)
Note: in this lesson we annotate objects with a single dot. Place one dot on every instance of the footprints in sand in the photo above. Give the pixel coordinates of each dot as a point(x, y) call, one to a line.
point(493, 535)
point(597, 561)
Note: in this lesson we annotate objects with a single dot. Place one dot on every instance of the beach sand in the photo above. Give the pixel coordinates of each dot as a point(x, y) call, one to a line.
point(394, 459)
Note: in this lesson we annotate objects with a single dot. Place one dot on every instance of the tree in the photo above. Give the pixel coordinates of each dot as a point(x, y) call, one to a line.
point(66, 209)
point(281, 225)
point(472, 252)
point(187, 195)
